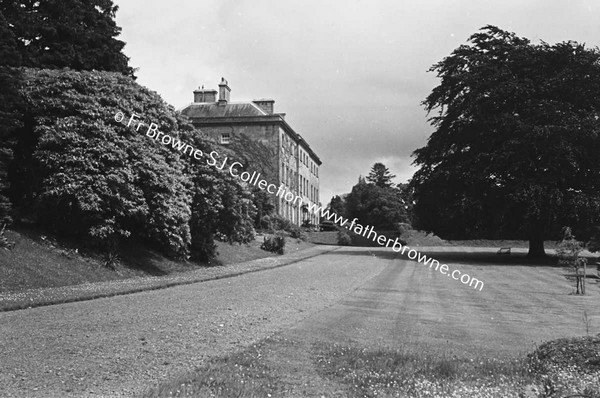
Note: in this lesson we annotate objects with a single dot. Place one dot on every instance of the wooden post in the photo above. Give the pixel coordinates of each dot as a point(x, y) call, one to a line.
point(584, 275)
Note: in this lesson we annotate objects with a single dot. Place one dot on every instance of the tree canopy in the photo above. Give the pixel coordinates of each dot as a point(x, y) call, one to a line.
point(337, 205)
point(382, 206)
point(78, 172)
point(380, 176)
point(372, 205)
point(78, 34)
point(69, 167)
point(52, 34)
point(515, 146)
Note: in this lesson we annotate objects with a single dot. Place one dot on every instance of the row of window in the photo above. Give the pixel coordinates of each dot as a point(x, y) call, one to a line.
point(307, 161)
point(304, 158)
point(307, 189)
point(290, 178)
point(286, 144)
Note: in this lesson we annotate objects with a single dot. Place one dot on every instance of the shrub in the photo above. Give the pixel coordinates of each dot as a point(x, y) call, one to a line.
point(264, 205)
point(265, 222)
point(90, 175)
point(403, 228)
point(4, 242)
point(298, 233)
point(343, 238)
point(274, 243)
point(79, 171)
point(568, 252)
point(112, 260)
point(593, 244)
point(278, 223)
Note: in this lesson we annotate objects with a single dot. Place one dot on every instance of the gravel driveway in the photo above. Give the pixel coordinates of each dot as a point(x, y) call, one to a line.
point(118, 346)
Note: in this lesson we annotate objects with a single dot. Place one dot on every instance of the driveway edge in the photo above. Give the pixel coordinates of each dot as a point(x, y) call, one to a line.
point(90, 291)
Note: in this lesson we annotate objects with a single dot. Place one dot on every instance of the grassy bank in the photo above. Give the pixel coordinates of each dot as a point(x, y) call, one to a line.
point(39, 271)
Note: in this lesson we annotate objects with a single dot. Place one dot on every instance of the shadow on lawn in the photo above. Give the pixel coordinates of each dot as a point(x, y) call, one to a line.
point(459, 257)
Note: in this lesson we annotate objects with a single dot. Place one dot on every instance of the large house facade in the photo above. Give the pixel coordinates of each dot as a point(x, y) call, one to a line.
point(287, 160)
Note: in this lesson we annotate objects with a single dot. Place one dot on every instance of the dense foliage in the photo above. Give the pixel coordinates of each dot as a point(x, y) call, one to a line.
point(79, 34)
point(221, 208)
point(337, 205)
point(377, 202)
point(380, 176)
point(373, 205)
point(514, 151)
point(274, 243)
point(67, 165)
point(79, 172)
point(9, 110)
point(275, 223)
point(343, 239)
point(10, 120)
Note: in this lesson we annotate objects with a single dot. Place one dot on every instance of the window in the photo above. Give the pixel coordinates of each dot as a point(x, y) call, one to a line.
point(225, 138)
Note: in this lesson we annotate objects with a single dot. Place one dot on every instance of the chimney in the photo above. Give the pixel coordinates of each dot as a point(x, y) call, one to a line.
point(201, 95)
point(224, 91)
point(266, 105)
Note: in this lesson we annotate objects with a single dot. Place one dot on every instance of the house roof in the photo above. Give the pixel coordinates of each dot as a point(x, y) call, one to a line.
point(240, 112)
point(213, 109)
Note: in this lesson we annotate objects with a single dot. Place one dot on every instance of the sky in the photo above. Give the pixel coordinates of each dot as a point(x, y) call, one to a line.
point(350, 75)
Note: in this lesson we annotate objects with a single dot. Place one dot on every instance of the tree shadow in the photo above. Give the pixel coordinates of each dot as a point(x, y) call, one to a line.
point(142, 259)
point(134, 255)
point(457, 257)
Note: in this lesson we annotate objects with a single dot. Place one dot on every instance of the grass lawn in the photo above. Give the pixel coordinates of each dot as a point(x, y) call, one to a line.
point(411, 332)
point(278, 367)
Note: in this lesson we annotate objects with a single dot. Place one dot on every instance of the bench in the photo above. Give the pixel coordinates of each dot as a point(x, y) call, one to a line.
point(504, 251)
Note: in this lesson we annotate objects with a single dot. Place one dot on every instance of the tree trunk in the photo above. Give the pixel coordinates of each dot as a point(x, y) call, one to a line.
point(536, 248)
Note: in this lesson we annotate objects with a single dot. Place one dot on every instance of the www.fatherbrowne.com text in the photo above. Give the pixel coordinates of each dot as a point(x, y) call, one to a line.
point(213, 159)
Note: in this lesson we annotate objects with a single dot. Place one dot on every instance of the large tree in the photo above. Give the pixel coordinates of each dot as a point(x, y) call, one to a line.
point(77, 34)
point(372, 205)
point(380, 176)
point(10, 115)
point(337, 205)
point(49, 34)
point(515, 149)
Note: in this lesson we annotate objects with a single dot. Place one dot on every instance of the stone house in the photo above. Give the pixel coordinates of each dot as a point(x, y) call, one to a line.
point(254, 128)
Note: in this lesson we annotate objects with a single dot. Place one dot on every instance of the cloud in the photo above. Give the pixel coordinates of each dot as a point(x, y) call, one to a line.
point(349, 74)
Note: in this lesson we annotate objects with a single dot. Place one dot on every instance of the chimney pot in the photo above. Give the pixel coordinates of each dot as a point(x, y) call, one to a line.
point(224, 92)
point(201, 95)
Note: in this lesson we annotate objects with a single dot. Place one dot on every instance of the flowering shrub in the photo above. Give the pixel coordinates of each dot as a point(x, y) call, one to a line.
point(274, 244)
point(84, 173)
